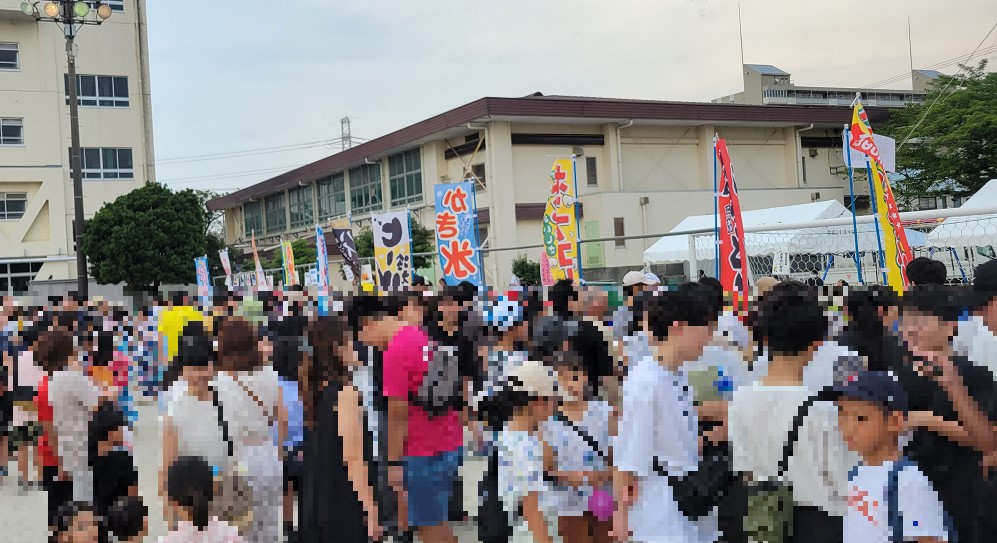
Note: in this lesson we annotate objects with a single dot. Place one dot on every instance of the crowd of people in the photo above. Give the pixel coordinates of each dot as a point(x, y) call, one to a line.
point(837, 414)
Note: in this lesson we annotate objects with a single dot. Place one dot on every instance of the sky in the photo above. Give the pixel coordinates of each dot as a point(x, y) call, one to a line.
point(243, 91)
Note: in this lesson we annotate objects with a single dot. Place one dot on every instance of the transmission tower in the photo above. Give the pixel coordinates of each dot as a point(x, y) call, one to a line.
point(346, 139)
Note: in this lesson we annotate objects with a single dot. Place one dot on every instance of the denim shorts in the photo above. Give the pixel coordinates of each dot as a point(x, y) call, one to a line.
point(429, 483)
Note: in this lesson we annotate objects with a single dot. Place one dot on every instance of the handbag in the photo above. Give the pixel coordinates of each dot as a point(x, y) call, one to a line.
point(232, 502)
point(698, 492)
point(601, 502)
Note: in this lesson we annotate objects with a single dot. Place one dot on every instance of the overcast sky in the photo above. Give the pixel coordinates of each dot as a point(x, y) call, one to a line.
point(239, 76)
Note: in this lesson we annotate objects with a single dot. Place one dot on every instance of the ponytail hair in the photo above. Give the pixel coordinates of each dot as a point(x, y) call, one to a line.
point(190, 484)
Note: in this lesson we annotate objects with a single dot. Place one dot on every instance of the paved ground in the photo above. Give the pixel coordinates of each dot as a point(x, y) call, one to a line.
point(22, 514)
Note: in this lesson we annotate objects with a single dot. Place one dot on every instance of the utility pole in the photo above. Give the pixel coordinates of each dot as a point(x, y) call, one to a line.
point(345, 138)
point(76, 159)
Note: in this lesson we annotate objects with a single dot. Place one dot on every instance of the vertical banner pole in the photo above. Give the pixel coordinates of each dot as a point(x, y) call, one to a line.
point(851, 189)
point(875, 212)
point(716, 215)
point(578, 222)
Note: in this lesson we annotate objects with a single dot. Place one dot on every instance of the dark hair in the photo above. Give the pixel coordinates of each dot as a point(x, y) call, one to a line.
point(287, 357)
point(691, 303)
point(561, 295)
point(106, 419)
point(946, 302)
point(126, 517)
point(550, 335)
point(54, 348)
point(190, 484)
point(66, 515)
point(790, 319)
point(323, 363)
point(712, 283)
point(238, 348)
point(926, 271)
point(496, 409)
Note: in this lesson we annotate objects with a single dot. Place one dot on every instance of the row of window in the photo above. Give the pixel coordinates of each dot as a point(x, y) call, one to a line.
point(297, 207)
point(97, 162)
point(935, 202)
point(91, 90)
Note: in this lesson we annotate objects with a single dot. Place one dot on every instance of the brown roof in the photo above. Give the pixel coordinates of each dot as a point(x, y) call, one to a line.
point(595, 109)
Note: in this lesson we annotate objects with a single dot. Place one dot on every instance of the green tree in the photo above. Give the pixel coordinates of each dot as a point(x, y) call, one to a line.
point(423, 241)
point(526, 270)
point(950, 137)
point(147, 237)
point(304, 253)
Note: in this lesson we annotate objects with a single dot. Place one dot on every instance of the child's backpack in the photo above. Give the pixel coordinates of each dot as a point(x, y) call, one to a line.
point(769, 517)
point(440, 391)
point(894, 516)
point(493, 521)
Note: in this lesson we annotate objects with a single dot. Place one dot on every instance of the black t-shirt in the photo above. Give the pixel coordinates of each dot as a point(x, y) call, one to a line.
point(468, 363)
point(113, 475)
point(954, 470)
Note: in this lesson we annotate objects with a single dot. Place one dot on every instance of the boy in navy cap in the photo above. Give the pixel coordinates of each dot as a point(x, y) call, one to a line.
point(889, 499)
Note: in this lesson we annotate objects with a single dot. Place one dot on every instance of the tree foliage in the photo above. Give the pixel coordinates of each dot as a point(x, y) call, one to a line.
point(526, 270)
point(950, 137)
point(304, 253)
point(147, 237)
point(423, 241)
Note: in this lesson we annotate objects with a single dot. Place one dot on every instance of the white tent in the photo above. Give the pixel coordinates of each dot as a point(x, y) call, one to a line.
point(970, 230)
point(816, 240)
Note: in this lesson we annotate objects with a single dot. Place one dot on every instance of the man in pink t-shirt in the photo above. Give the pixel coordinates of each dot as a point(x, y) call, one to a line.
point(424, 452)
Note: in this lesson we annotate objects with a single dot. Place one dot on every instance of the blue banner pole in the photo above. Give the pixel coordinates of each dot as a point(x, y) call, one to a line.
point(716, 215)
point(851, 189)
point(875, 213)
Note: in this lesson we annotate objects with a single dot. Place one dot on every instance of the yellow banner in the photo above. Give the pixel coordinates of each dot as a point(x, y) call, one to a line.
point(560, 223)
point(290, 274)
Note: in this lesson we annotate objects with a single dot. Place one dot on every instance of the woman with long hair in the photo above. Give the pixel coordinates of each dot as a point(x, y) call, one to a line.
point(336, 495)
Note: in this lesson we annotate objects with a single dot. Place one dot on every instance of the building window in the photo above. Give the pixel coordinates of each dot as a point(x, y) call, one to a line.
point(405, 177)
point(300, 206)
point(591, 174)
point(619, 231)
point(252, 213)
point(927, 202)
point(9, 57)
point(99, 90)
point(957, 201)
point(11, 132)
point(15, 278)
point(276, 213)
point(332, 196)
point(116, 5)
point(106, 163)
point(477, 172)
point(12, 205)
point(365, 189)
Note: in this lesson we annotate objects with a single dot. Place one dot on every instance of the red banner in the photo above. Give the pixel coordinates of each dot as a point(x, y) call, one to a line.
point(733, 258)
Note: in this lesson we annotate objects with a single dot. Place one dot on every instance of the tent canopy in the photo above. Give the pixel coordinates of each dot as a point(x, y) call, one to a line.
point(817, 240)
point(971, 230)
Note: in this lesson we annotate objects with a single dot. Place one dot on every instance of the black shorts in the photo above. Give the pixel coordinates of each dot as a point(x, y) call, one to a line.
point(6, 413)
point(293, 467)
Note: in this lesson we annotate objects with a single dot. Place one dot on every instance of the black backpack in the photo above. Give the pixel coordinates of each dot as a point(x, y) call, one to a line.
point(493, 521)
point(440, 391)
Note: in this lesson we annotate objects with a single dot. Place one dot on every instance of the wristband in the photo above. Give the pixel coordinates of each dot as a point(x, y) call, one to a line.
point(396, 463)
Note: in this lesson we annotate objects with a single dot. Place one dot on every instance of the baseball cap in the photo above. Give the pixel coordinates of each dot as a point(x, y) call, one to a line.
point(879, 387)
point(535, 378)
point(638, 277)
point(503, 314)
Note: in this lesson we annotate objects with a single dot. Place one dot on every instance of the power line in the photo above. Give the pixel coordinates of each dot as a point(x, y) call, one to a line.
point(942, 64)
point(238, 154)
point(947, 85)
point(184, 180)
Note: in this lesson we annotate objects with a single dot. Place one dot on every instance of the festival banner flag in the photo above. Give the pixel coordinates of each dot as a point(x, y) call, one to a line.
point(733, 258)
point(343, 232)
point(560, 223)
point(203, 276)
point(897, 252)
point(226, 265)
point(457, 233)
point(393, 249)
point(287, 255)
point(261, 276)
point(322, 258)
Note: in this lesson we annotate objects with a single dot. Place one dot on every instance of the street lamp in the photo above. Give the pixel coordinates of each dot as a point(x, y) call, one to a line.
point(72, 16)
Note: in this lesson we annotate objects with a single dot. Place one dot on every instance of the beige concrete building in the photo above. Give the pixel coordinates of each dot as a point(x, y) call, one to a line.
point(36, 193)
point(765, 84)
point(643, 167)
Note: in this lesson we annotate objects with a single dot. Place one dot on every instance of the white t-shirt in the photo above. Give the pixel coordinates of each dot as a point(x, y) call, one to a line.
point(573, 453)
point(520, 469)
point(977, 343)
point(248, 423)
point(868, 513)
point(830, 363)
point(196, 424)
point(760, 418)
point(73, 397)
point(658, 421)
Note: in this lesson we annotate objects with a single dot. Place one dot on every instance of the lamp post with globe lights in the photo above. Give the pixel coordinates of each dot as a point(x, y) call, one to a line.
point(72, 15)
